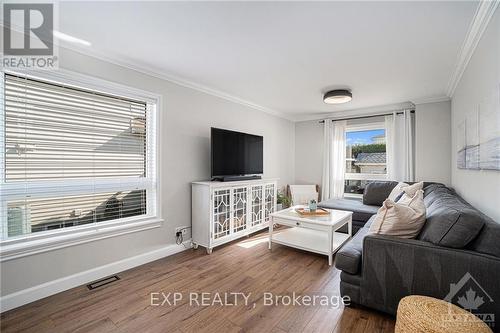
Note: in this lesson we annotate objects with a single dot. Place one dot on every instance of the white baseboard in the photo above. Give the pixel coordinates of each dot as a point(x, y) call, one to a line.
point(43, 290)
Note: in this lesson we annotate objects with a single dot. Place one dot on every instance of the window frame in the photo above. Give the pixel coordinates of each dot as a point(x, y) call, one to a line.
point(42, 241)
point(363, 176)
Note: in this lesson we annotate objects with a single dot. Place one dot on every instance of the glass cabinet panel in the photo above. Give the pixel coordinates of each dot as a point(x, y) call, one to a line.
point(257, 206)
point(222, 213)
point(239, 209)
point(269, 198)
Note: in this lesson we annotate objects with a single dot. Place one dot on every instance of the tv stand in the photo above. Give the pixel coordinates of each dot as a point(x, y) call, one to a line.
point(224, 211)
point(235, 178)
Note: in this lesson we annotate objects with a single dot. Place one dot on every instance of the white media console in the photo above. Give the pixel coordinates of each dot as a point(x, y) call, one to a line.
point(224, 211)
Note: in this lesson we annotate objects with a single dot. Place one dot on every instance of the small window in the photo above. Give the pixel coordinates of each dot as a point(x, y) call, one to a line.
point(366, 157)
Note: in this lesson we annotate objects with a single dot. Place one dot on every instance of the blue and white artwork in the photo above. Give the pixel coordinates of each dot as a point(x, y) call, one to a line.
point(472, 140)
point(478, 141)
point(461, 145)
point(489, 134)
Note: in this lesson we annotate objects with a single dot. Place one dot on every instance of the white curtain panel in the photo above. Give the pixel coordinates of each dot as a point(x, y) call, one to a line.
point(333, 160)
point(389, 146)
point(400, 146)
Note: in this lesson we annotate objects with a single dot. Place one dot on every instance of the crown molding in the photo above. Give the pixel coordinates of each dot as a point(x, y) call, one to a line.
point(434, 99)
point(482, 17)
point(368, 111)
point(160, 74)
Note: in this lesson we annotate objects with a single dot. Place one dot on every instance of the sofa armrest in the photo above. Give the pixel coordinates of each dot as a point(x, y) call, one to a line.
point(394, 267)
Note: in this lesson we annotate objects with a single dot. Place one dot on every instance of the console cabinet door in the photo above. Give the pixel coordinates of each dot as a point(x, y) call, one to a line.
point(257, 209)
point(269, 200)
point(221, 213)
point(239, 209)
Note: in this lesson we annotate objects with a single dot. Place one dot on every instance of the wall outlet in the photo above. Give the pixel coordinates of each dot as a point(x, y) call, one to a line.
point(183, 230)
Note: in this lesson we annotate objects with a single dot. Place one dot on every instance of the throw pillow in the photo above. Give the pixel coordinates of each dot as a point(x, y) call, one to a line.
point(377, 191)
point(397, 191)
point(410, 190)
point(402, 219)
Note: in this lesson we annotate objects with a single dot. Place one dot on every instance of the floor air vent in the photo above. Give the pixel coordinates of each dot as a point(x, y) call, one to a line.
point(102, 282)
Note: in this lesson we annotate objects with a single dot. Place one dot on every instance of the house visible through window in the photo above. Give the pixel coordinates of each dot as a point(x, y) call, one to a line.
point(72, 157)
point(366, 157)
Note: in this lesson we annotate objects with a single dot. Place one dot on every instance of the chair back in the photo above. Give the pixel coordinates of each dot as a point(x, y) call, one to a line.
point(302, 194)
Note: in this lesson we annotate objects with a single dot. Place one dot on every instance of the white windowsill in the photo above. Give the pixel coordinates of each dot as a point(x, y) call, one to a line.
point(365, 176)
point(33, 244)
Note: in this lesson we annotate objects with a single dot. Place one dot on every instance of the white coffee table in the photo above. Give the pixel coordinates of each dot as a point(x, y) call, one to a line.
point(315, 234)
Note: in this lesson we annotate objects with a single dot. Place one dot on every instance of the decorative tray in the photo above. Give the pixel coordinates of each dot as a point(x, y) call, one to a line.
point(307, 212)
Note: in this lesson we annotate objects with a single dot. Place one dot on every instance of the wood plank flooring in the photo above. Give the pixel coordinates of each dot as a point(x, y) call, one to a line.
point(244, 266)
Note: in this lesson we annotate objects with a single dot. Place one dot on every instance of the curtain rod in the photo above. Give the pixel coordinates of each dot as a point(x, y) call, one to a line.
point(371, 116)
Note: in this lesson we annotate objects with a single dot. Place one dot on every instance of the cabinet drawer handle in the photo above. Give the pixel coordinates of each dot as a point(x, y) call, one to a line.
point(298, 223)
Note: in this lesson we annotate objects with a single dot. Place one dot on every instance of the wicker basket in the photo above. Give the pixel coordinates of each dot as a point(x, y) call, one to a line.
point(426, 314)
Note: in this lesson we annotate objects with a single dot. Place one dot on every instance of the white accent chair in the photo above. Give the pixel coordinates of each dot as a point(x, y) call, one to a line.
point(302, 194)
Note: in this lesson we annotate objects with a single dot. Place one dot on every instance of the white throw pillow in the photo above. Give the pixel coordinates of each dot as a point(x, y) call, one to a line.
point(402, 219)
point(397, 191)
point(410, 190)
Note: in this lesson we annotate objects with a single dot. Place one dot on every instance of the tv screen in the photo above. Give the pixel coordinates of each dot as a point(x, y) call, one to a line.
point(235, 153)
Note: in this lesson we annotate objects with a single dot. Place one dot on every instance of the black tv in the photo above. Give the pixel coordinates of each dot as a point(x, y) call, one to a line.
point(235, 155)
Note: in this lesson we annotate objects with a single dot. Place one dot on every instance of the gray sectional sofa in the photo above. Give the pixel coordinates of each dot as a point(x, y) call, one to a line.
point(458, 245)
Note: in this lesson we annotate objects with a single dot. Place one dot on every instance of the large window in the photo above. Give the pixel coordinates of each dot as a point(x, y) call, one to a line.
point(73, 157)
point(366, 156)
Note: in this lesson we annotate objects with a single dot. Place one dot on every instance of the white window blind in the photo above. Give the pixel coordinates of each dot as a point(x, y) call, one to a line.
point(73, 156)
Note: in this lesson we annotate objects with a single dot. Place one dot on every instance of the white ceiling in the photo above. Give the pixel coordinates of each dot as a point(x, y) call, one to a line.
point(284, 55)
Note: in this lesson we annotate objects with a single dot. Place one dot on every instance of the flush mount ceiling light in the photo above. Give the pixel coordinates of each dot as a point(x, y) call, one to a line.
point(338, 96)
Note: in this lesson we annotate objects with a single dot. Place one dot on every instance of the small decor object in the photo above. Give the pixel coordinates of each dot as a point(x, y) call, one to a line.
point(307, 212)
point(426, 314)
point(313, 205)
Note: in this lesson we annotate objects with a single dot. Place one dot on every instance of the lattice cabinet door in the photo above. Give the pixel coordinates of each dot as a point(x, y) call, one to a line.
point(239, 203)
point(257, 209)
point(269, 200)
point(221, 213)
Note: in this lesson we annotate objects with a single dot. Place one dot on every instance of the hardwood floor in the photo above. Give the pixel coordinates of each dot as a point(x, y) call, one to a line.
point(245, 266)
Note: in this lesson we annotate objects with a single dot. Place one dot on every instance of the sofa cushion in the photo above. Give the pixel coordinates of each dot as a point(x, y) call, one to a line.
point(368, 223)
point(356, 225)
point(488, 240)
point(451, 222)
point(435, 191)
point(429, 188)
point(360, 212)
point(348, 258)
point(377, 191)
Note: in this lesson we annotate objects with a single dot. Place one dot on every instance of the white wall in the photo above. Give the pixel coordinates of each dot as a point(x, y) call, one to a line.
point(187, 116)
point(433, 142)
point(308, 152)
point(480, 79)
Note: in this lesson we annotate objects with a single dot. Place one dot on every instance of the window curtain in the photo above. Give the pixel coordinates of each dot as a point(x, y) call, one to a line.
point(333, 159)
point(399, 129)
